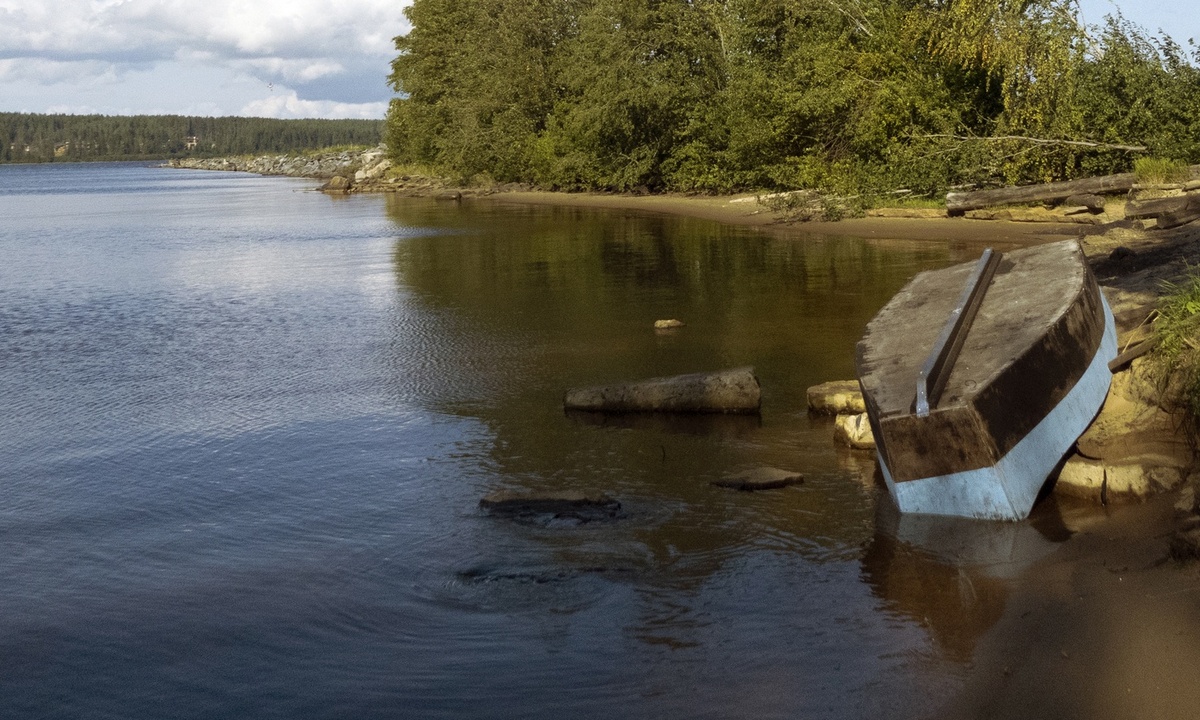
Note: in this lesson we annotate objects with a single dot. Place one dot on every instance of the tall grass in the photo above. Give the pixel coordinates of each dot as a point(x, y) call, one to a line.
point(1178, 352)
point(1159, 171)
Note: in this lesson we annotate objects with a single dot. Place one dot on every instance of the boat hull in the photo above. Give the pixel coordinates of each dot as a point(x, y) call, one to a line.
point(1032, 374)
point(1008, 489)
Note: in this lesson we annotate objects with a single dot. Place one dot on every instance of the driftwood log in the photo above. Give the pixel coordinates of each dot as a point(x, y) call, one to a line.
point(1182, 216)
point(726, 391)
point(1094, 203)
point(1138, 209)
point(1055, 192)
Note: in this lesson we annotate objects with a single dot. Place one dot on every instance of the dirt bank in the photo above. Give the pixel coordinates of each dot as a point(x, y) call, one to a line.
point(745, 210)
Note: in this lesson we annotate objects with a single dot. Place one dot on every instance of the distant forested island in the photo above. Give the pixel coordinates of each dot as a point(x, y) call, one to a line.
point(27, 137)
point(849, 96)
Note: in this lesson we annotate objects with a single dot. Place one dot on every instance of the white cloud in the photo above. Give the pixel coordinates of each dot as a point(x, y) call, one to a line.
point(288, 105)
point(332, 56)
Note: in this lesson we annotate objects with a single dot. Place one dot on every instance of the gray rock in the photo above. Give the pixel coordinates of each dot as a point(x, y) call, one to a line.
point(760, 479)
point(837, 397)
point(725, 391)
point(337, 184)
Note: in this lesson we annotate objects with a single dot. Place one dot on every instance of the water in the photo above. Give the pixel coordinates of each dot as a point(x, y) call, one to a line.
point(247, 427)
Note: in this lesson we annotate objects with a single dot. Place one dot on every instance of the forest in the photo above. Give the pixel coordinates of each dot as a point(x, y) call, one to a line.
point(862, 97)
point(46, 138)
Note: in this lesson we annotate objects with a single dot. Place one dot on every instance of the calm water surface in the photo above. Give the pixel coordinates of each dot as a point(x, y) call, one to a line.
point(247, 427)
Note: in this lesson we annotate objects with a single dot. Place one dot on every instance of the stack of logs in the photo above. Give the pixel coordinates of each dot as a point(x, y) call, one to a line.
point(1170, 205)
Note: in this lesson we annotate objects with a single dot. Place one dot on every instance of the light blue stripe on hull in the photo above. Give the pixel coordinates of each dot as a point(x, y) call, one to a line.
point(1007, 490)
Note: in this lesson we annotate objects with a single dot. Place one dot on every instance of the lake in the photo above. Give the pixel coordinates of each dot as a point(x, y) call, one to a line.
point(247, 427)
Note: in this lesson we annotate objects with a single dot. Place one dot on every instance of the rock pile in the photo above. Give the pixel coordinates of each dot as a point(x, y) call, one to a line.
point(1132, 449)
point(321, 165)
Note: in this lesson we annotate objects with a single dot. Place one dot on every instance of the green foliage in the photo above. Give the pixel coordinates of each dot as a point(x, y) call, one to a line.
point(28, 137)
point(849, 98)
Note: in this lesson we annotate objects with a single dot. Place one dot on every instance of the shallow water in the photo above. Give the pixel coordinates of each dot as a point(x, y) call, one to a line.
point(247, 428)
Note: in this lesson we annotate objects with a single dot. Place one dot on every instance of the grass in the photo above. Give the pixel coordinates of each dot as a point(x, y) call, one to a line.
point(1159, 171)
point(1178, 352)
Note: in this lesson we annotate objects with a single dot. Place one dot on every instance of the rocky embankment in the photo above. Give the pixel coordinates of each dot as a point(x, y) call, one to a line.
point(319, 165)
point(345, 172)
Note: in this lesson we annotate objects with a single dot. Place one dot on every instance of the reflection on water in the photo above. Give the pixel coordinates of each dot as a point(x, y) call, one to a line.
point(248, 429)
point(952, 574)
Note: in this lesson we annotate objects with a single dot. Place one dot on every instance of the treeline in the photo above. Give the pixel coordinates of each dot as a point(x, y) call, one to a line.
point(849, 96)
point(44, 138)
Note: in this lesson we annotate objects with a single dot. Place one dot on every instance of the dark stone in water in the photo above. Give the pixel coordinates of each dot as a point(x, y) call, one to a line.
point(540, 576)
point(760, 479)
point(726, 391)
point(568, 505)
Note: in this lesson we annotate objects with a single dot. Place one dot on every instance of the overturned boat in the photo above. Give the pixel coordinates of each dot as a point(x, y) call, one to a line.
point(979, 378)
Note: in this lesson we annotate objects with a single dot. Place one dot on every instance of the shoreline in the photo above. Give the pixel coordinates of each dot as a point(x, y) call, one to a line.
point(744, 210)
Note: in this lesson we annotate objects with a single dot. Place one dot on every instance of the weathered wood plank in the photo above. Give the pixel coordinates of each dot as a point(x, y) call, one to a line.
point(959, 203)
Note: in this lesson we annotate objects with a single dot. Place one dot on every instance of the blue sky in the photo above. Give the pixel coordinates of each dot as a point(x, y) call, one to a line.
point(1178, 18)
point(273, 58)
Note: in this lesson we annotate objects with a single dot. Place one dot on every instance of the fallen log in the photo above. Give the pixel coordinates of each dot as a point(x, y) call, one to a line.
point(1183, 216)
point(1139, 209)
point(726, 391)
point(959, 203)
point(1094, 203)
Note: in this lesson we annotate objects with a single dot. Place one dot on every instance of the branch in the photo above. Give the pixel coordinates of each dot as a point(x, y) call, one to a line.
point(1043, 141)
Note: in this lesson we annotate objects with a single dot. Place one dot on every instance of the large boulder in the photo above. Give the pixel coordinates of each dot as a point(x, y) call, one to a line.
point(836, 397)
point(338, 184)
point(725, 391)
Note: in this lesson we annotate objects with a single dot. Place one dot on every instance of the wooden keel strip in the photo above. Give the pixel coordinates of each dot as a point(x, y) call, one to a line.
point(931, 380)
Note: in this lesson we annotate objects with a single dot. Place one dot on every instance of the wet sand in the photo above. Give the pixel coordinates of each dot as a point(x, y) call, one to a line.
point(1107, 626)
point(744, 210)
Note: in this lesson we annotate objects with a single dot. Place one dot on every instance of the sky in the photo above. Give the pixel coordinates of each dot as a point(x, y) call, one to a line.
point(265, 58)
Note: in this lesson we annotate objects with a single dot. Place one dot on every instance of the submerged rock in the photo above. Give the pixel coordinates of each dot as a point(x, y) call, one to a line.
point(726, 391)
point(760, 479)
point(836, 397)
point(570, 504)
